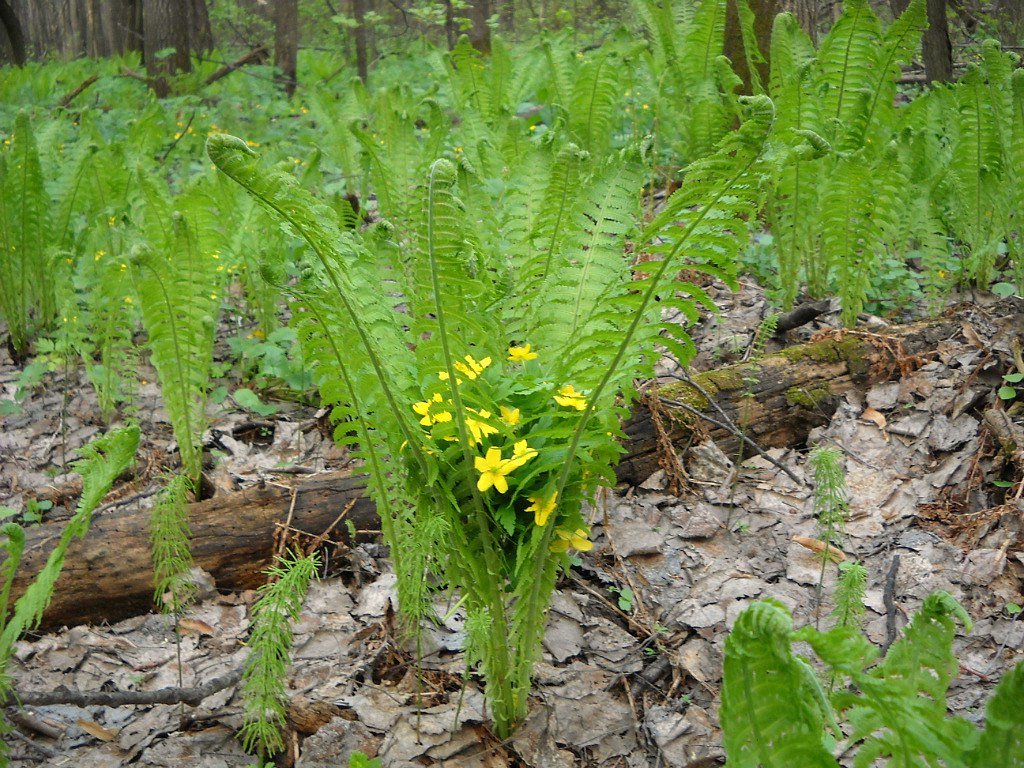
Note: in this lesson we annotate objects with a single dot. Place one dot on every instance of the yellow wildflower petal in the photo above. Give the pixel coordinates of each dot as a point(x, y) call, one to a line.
point(521, 354)
point(542, 509)
point(510, 415)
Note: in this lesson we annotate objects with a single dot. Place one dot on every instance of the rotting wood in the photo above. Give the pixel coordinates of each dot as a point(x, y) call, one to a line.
point(776, 399)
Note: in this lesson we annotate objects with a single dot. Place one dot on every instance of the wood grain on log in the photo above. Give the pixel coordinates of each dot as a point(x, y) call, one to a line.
point(776, 400)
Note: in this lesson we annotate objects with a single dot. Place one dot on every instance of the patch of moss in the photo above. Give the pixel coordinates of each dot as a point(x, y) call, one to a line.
point(684, 393)
point(808, 397)
point(723, 380)
point(848, 350)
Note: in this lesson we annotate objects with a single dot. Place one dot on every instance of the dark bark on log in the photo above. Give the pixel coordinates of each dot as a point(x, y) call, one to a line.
point(776, 400)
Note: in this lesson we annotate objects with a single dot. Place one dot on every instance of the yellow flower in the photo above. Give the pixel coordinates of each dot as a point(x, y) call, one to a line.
point(492, 469)
point(509, 415)
point(521, 354)
point(471, 368)
point(521, 453)
point(565, 540)
point(542, 508)
point(429, 419)
point(645, 106)
point(100, 255)
point(128, 300)
point(480, 429)
point(570, 398)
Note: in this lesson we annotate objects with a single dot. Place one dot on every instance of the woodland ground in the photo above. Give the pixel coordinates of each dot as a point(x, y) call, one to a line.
point(633, 651)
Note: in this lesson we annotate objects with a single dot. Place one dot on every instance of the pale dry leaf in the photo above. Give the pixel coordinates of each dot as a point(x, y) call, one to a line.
point(817, 546)
point(95, 729)
point(875, 417)
point(196, 626)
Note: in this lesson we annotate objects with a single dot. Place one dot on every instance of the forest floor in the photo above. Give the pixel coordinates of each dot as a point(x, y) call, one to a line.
point(633, 652)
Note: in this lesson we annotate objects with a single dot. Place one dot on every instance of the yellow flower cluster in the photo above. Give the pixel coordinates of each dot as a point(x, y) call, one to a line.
point(568, 397)
point(494, 469)
point(565, 540)
point(430, 416)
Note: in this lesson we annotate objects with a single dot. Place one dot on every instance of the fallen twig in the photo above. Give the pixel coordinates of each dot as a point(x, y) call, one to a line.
point(190, 696)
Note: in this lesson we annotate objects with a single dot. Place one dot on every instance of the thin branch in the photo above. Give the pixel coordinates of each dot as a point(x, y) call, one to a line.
point(64, 695)
point(730, 428)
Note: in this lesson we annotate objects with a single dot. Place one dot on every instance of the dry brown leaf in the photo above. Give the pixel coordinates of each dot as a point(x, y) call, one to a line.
point(875, 417)
point(97, 730)
point(195, 625)
point(817, 546)
point(972, 336)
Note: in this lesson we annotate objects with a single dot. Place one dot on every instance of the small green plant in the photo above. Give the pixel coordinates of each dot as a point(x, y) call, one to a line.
point(624, 598)
point(270, 642)
point(360, 760)
point(1008, 390)
point(830, 503)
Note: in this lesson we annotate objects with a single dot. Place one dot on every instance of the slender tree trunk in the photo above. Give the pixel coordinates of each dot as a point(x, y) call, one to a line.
point(480, 32)
point(15, 36)
point(937, 48)
point(735, 47)
point(165, 27)
point(362, 52)
point(806, 13)
point(449, 24)
point(286, 42)
point(200, 35)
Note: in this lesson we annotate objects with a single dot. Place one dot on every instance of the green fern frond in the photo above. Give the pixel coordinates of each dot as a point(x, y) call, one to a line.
point(27, 296)
point(901, 711)
point(1002, 741)
point(847, 61)
point(763, 729)
point(178, 286)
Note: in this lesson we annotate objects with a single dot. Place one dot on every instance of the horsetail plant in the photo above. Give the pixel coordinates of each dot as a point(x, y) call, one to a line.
point(484, 385)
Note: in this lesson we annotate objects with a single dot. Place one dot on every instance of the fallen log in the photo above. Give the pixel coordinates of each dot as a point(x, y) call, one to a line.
point(774, 400)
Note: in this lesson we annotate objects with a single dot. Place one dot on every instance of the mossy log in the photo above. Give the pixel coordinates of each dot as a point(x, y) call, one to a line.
point(776, 399)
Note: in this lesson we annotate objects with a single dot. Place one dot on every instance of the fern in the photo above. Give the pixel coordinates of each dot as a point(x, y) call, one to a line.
point(179, 288)
point(1002, 741)
point(774, 712)
point(760, 726)
point(27, 298)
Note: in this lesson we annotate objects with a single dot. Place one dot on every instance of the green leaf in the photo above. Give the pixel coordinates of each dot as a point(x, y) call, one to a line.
point(1003, 290)
point(249, 400)
point(1013, 378)
point(1007, 393)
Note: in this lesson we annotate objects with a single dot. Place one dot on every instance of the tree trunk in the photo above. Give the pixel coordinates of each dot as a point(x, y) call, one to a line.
point(11, 27)
point(775, 400)
point(286, 42)
point(736, 47)
point(937, 48)
point(806, 13)
point(165, 27)
point(362, 53)
point(479, 12)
